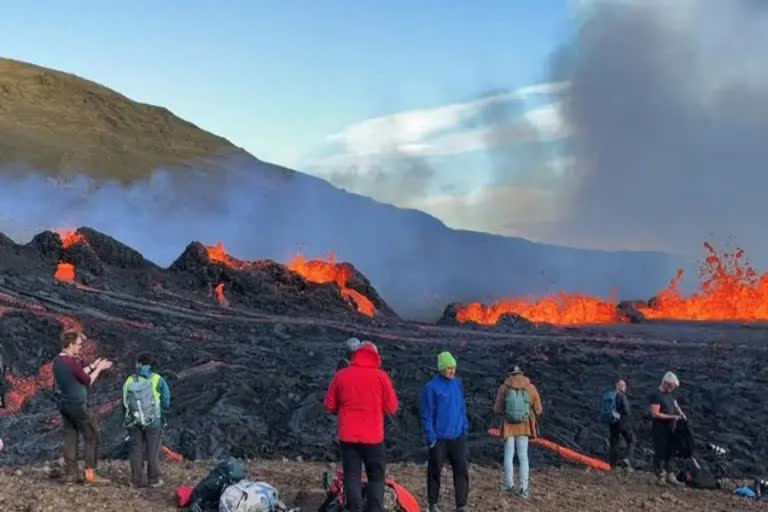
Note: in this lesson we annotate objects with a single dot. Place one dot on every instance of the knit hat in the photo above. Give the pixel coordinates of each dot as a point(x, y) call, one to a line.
point(445, 360)
point(353, 344)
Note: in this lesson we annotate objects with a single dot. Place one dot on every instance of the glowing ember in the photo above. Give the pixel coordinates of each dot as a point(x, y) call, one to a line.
point(65, 272)
point(68, 237)
point(563, 309)
point(729, 289)
point(319, 271)
point(220, 297)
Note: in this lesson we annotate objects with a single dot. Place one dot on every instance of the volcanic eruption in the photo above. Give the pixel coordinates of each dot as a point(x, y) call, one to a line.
point(319, 271)
point(729, 290)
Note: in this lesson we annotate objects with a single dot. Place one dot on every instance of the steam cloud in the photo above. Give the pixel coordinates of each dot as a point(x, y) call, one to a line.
point(262, 211)
point(668, 109)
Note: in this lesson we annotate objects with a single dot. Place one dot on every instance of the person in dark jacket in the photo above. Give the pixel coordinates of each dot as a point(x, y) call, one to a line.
point(145, 441)
point(665, 413)
point(621, 428)
point(445, 423)
point(72, 379)
point(361, 395)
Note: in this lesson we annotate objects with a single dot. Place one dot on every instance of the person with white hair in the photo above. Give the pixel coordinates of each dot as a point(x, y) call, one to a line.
point(665, 412)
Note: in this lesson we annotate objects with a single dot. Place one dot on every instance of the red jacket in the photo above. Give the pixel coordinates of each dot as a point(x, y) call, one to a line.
point(361, 395)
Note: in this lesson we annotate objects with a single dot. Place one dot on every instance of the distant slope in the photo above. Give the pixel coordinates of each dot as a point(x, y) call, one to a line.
point(57, 124)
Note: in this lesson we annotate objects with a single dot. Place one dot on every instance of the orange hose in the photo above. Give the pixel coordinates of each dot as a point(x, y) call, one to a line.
point(564, 452)
point(572, 455)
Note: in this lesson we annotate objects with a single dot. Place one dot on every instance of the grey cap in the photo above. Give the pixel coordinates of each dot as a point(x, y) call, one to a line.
point(353, 344)
point(516, 371)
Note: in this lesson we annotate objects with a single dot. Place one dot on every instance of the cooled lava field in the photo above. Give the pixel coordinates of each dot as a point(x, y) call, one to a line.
point(249, 348)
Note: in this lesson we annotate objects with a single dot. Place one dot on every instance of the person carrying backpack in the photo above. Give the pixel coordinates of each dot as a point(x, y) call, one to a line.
point(360, 395)
point(146, 397)
point(519, 404)
point(616, 413)
point(445, 423)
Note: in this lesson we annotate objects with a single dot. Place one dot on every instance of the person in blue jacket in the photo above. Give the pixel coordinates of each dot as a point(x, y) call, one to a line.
point(445, 423)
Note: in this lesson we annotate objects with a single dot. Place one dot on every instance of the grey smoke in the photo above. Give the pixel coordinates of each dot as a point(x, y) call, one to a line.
point(669, 109)
point(262, 211)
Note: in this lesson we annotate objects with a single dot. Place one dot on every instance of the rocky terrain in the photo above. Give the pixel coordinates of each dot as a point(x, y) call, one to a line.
point(299, 484)
point(248, 380)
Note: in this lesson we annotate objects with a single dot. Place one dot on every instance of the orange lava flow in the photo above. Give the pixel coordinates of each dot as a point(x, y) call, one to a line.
point(220, 297)
point(24, 388)
point(562, 309)
point(65, 272)
point(729, 289)
point(319, 271)
point(69, 237)
point(217, 254)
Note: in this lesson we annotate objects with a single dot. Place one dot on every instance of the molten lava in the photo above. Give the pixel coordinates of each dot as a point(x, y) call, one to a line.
point(65, 272)
point(729, 289)
point(217, 254)
point(562, 309)
point(319, 271)
point(220, 297)
point(69, 237)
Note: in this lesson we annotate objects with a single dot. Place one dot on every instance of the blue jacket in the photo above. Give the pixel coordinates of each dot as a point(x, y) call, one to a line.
point(443, 411)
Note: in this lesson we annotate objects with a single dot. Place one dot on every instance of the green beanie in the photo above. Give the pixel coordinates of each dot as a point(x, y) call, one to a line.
point(445, 360)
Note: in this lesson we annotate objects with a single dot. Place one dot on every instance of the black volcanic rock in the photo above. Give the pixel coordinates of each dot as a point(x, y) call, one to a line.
point(449, 315)
point(630, 308)
point(112, 252)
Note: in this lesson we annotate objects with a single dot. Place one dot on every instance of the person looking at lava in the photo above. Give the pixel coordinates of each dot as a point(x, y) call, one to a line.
point(72, 379)
point(665, 413)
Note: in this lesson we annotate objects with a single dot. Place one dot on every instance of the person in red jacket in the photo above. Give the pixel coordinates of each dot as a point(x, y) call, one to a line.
point(361, 394)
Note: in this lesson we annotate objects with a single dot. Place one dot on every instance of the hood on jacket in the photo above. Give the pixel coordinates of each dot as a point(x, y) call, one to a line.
point(517, 381)
point(367, 356)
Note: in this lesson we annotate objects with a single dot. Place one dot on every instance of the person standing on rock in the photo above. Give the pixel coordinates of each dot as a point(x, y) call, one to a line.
point(445, 423)
point(518, 403)
point(360, 395)
point(146, 398)
point(621, 427)
point(665, 413)
point(72, 379)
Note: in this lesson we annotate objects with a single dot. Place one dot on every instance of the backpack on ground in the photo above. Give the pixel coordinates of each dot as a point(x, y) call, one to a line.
point(697, 476)
point(517, 405)
point(208, 491)
point(247, 496)
point(608, 410)
point(396, 497)
point(141, 403)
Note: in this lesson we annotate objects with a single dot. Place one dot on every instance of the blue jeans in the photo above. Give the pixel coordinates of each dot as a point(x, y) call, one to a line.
point(516, 445)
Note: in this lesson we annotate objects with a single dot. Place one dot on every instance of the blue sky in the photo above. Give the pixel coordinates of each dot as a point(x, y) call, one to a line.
point(302, 83)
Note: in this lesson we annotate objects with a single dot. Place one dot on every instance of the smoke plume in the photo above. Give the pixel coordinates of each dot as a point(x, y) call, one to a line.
point(668, 111)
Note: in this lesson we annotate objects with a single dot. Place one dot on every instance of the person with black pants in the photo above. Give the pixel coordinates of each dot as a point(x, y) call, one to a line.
point(665, 413)
point(360, 395)
point(445, 423)
point(621, 428)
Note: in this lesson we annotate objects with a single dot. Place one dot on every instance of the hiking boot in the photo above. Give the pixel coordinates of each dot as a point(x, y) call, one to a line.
point(672, 479)
point(91, 478)
point(463, 509)
point(661, 479)
point(523, 493)
point(434, 508)
point(159, 483)
point(628, 466)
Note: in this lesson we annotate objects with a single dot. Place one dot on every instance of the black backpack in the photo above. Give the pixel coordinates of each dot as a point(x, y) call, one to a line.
point(697, 476)
point(208, 491)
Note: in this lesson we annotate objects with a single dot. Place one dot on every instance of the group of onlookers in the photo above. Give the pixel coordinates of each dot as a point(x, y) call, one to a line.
point(361, 394)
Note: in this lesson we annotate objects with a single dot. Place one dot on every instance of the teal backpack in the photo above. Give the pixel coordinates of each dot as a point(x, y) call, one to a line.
point(608, 412)
point(517, 406)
